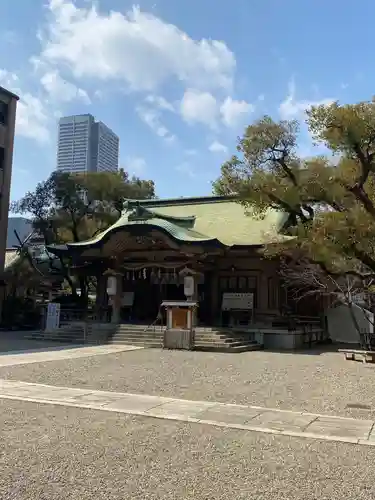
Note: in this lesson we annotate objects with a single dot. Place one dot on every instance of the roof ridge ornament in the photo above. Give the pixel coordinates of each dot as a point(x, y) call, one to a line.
point(138, 212)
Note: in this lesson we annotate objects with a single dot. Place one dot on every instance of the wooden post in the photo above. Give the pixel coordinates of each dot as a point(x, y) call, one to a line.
point(116, 301)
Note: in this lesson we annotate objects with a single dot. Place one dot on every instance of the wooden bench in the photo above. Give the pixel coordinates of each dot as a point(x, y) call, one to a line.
point(364, 356)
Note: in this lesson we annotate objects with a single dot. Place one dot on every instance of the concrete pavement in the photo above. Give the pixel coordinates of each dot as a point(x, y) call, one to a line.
point(247, 418)
point(58, 353)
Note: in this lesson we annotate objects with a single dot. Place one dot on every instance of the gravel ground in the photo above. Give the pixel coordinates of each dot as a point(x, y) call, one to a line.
point(324, 383)
point(54, 453)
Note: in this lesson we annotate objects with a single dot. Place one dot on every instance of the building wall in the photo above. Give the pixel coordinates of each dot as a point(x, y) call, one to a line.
point(341, 326)
point(7, 128)
point(105, 147)
point(74, 139)
point(243, 274)
point(86, 146)
point(8, 107)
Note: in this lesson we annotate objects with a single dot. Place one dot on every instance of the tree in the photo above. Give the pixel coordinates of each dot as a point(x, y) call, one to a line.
point(75, 207)
point(330, 204)
point(305, 279)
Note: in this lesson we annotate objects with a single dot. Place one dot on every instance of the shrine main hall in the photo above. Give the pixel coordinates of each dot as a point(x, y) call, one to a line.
point(156, 243)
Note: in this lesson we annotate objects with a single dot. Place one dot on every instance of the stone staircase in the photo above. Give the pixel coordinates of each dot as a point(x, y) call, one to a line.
point(138, 335)
point(206, 338)
point(224, 340)
point(73, 333)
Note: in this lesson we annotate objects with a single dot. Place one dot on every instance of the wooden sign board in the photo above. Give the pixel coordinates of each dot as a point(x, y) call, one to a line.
point(238, 301)
point(53, 316)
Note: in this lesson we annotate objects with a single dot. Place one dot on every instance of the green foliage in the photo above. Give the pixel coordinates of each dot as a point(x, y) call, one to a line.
point(331, 205)
point(75, 207)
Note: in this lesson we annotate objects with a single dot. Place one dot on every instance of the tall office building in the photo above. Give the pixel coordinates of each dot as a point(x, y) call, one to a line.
point(85, 145)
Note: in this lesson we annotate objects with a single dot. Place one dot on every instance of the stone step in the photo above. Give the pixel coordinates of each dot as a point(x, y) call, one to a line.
point(224, 338)
point(133, 335)
point(224, 344)
point(129, 340)
point(137, 343)
point(56, 335)
point(228, 348)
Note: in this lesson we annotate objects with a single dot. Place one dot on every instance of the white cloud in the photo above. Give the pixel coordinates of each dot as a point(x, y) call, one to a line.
point(9, 80)
point(217, 147)
point(203, 107)
point(291, 108)
point(137, 48)
point(199, 107)
point(234, 112)
point(152, 118)
point(31, 117)
point(135, 165)
point(61, 90)
point(160, 102)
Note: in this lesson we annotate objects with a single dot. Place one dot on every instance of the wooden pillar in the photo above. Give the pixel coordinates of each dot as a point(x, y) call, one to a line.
point(263, 292)
point(116, 301)
point(215, 298)
point(101, 292)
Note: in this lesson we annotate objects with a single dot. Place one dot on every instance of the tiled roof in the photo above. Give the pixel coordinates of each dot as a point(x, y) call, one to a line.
point(206, 219)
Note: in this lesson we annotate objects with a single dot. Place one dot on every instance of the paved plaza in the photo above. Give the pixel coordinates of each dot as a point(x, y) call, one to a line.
point(250, 418)
point(112, 422)
point(323, 383)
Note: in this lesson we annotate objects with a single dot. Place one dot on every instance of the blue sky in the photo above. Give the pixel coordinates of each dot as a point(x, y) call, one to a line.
point(177, 80)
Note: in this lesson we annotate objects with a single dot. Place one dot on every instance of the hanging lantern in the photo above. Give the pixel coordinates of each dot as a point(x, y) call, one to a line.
point(144, 273)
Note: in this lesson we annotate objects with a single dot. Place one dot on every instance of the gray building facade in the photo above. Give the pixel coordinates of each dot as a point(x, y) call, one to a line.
point(85, 145)
point(8, 106)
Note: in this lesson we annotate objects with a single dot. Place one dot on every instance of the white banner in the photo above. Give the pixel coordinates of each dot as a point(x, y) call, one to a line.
point(53, 316)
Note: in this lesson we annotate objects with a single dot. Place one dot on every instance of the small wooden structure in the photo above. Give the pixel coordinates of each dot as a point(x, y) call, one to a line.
point(354, 354)
point(179, 333)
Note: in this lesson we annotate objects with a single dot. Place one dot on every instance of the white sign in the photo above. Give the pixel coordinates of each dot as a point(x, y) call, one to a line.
point(111, 285)
point(189, 286)
point(239, 301)
point(53, 316)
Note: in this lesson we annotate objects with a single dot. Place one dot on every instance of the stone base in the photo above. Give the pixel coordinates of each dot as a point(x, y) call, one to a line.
point(178, 339)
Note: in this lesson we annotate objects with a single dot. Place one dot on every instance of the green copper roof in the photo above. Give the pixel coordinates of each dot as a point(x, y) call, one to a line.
point(179, 228)
point(225, 219)
point(199, 220)
point(42, 261)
